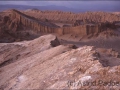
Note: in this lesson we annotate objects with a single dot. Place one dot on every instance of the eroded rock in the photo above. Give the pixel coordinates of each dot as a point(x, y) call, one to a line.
point(53, 69)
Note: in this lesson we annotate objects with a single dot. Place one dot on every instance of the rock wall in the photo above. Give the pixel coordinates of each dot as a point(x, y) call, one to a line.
point(43, 27)
point(31, 22)
point(69, 17)
point(92, 29)
point(80, 30)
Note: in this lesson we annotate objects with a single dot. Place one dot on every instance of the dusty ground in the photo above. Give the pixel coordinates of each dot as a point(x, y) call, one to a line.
point(102, 40)
point(45, 64)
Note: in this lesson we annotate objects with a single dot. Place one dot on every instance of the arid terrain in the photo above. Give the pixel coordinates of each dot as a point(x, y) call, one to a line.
point(59, 50)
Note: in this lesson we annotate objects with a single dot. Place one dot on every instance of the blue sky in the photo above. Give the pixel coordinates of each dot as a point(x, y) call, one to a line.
point(74, 6)
point(70, 4)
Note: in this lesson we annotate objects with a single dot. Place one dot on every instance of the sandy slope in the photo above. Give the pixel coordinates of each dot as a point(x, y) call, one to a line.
point(60, 67)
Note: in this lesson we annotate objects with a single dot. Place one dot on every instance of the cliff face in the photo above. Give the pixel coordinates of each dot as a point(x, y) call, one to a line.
point(19, 21)
point(35, 24)
point(40, 26)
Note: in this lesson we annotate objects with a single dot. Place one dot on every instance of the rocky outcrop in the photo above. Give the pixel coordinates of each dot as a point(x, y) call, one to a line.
point(41, 27)
point(66, 26)
point(55, 42)
point(37, 25)
point(27, 48)
point(82, 22)
point(20, 21)
point(6, 19)
point(61, 67)
point(69, 17)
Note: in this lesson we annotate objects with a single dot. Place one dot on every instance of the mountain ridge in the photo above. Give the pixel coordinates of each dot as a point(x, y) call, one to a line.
point(62, 8)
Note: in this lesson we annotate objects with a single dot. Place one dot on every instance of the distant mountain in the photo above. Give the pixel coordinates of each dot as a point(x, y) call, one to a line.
point(24, 7)
point(62, 8)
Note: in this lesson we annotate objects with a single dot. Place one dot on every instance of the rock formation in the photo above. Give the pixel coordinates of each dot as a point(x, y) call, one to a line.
point(28, 48)
point(19, 21)
point(81, 29)
point(56, 62)
point(69, 17)
point(36, 65)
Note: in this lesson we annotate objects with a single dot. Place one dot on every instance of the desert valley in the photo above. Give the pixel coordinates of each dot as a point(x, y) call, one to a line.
point(59, 50)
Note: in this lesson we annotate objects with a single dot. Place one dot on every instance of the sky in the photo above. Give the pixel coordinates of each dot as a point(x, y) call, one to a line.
point(86, 5)
point(70, 4)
